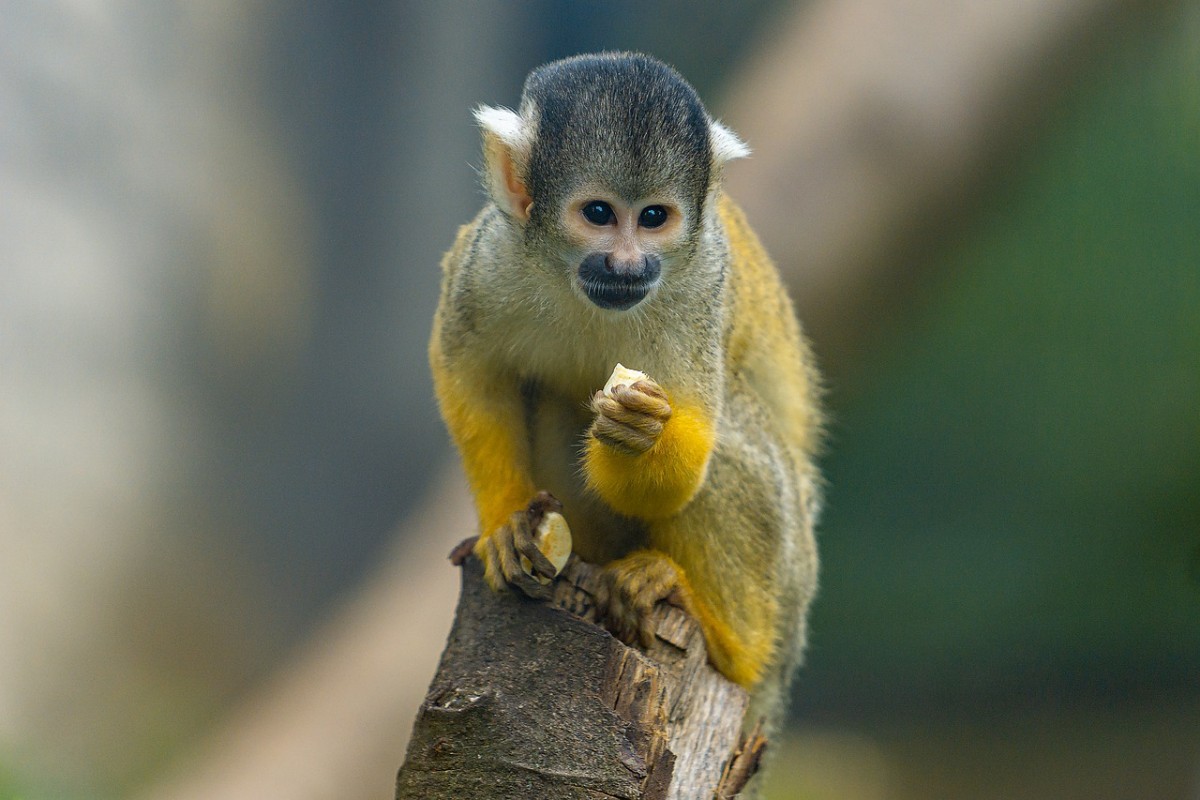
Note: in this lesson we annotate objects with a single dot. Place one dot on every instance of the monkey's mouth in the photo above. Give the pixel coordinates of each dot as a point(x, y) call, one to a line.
point(618, 284)
point(618, 293)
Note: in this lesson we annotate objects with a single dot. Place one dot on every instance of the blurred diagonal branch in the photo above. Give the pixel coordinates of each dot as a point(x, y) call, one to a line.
point(870, 118)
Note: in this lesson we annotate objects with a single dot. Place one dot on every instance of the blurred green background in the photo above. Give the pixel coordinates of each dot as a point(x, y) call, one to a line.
point(221, 229)
point(1016, 474)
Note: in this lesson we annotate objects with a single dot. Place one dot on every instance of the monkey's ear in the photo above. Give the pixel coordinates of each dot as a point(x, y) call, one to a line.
point(725, 143)
point(506, 145)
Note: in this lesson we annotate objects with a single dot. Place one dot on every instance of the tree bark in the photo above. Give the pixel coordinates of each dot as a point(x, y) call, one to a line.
point(534, 699)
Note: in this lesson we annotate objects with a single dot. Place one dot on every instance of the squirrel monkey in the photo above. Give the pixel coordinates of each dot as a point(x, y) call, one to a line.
point(607, 239)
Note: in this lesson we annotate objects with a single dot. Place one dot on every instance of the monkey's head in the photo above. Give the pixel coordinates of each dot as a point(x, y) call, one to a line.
point(606, 170)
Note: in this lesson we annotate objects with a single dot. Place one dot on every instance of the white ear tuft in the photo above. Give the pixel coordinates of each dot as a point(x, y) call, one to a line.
point(506, 145)
point(725, 143)
point(507, 125)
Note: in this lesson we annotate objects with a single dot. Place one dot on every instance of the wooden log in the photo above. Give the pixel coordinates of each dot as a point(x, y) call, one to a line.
point(534, 699)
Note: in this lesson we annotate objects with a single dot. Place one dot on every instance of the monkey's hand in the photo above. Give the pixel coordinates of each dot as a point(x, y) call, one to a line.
point(502, 550)
point(646, 453)
point(630, 418)
point(632, 587)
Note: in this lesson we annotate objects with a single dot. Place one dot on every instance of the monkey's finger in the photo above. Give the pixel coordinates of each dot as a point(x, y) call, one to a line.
point(492, 573)
point(639, 423)
point(642, 399)
point(525, 544)
point(604, 405)
point(645, 424)
point(631, 408)
point(624, 627)
point(529, 586)
point(508, 562)
point(463, 550)
point(506, 556)
point(538, 563)
point(678, 597)
point(542, 504)
point(497, 571)
point(601, 599)
point(622, 437)
point(649, 386)
point(519, 530)
point(534, 588)
point(617, 617)
point(569, 595)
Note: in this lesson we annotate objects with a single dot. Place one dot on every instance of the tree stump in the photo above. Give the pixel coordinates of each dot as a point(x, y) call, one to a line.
point(533, 699)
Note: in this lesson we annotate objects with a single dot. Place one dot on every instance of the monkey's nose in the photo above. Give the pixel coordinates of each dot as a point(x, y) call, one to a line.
point(624, 266)
point(616, 283)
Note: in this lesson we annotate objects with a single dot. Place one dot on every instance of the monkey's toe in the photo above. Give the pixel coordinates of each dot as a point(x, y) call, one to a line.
point(632, 587)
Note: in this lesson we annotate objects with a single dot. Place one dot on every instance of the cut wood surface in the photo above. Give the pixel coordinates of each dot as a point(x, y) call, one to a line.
point(534, 699)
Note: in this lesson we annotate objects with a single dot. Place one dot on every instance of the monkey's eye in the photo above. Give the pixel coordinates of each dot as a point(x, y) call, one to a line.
point(652, 217)
point(598, 212)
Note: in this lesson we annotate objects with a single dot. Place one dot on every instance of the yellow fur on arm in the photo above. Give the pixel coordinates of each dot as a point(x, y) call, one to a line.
point(661, 481)
point(486, 431)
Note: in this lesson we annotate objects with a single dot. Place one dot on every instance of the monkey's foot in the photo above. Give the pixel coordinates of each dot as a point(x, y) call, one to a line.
point(632, 587)
point(630, 418)
point(502, 549)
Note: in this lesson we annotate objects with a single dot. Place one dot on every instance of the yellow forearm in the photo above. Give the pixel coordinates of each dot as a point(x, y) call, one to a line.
point(486, 431)
point(660, 481)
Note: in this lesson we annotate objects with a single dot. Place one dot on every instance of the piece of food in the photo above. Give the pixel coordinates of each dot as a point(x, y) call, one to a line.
point(623, 375)
point(553, 538)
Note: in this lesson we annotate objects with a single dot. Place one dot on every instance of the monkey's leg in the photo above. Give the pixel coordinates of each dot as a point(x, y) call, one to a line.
point(737, 616)
point(729, 567)
point(634, 584)
point(745, 545)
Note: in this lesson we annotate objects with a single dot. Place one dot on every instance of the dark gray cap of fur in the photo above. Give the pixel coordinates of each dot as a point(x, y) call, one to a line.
point(625, 118)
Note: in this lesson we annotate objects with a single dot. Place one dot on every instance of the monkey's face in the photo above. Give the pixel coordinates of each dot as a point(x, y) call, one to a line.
point(621, 246)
